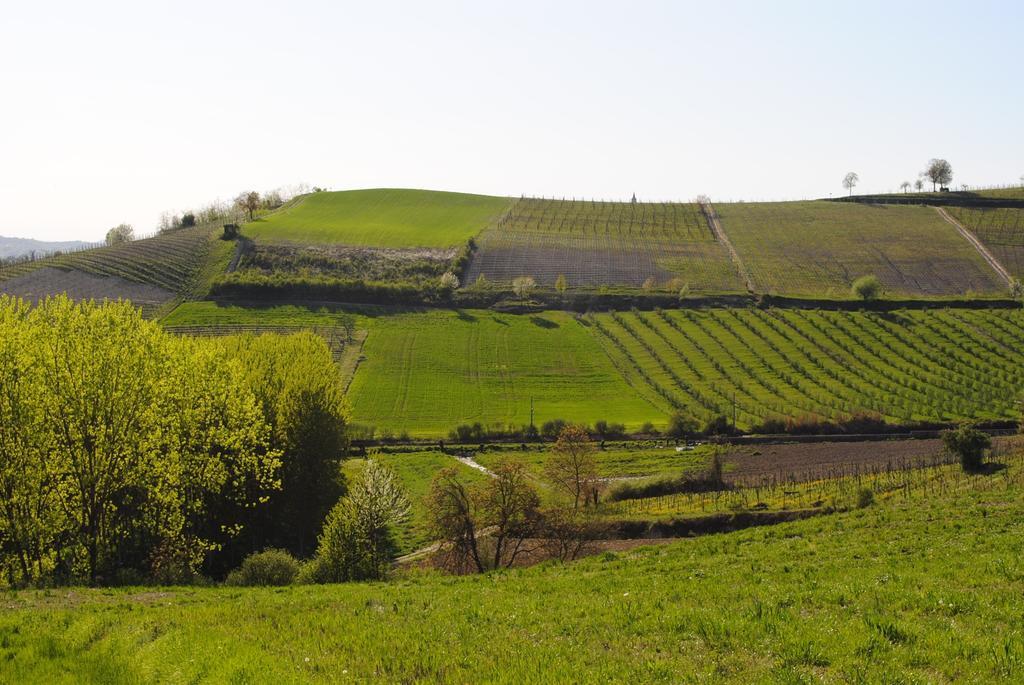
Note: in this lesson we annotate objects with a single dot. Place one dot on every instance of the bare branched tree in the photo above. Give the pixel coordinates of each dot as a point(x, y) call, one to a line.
point(850, 181)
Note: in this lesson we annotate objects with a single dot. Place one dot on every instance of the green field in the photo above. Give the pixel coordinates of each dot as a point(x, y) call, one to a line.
point(918, 589)
point(380, 218)
point(212, 314)
point(614, 462)
point(818, 249)
point(428, 372)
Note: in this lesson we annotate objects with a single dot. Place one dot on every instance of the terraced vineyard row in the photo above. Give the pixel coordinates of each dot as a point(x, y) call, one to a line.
point(1001, 230)
point(933, 365)
point(174, 262)
point(820, 248)
point(595, 243)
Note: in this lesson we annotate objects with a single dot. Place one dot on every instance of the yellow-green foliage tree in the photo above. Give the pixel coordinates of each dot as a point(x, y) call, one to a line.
point(122, 448)
point(302, 399)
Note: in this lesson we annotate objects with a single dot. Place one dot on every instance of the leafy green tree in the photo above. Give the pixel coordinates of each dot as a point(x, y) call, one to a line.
point(358, 541)
point(302, 399)
point(122, 233)
point(969, 445)
point(867, 287)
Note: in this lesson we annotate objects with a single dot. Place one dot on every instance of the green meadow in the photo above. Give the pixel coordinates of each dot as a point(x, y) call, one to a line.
point(380, 218)
point(920, 589)
point(428, 372)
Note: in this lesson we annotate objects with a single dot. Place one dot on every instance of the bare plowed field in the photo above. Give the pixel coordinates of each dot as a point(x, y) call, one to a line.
point(812, 461)
point(78, 285)
point(593, 244)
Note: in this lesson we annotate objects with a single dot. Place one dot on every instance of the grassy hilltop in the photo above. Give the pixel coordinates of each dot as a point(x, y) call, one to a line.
point(381, 218)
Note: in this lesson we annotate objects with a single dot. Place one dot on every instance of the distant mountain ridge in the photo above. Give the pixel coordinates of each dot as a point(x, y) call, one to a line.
point(17, 247)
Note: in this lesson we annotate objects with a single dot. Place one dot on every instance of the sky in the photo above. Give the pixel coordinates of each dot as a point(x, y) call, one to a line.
point(115, 112)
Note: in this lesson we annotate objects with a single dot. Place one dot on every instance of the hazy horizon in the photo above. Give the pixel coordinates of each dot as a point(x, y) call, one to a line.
point(117, 112)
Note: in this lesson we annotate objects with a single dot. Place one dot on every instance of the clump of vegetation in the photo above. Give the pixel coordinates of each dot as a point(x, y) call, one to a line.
point(681, 426)
point(867, 288)
point(272, 567)
point(969, 445)
point(358, 541)
point(711, 480)
point(865, 498)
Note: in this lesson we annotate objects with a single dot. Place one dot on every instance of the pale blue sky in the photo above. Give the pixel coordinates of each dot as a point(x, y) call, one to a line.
point(115, 112)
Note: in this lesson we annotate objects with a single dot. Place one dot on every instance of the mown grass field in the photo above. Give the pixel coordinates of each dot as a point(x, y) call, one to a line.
point(922, 588)
point(428, 372)
point(597, 243)
point(932, 365)
point(380, 218)
point(817, 249)
point(1000, 230)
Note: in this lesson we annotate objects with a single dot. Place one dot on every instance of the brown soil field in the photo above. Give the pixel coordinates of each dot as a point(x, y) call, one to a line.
point(78, 285)
point(811, 461)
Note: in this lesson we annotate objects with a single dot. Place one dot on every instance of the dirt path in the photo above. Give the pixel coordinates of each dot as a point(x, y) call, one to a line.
point(982, 250)
point(716, 227)
point(474, 464)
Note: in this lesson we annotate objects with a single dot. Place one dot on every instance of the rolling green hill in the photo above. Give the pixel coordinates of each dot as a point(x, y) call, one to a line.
point(426, 372)
point(380, 218)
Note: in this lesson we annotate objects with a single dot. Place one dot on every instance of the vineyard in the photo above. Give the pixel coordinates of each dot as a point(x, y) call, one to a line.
point(818, 249)
point(177, 264)
point(932, 365)
point(379, 218)
point(1001, 230)
point(597, 243)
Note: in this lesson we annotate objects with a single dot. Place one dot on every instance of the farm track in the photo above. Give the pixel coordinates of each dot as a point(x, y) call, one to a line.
point(716, 227)
point(982, 250)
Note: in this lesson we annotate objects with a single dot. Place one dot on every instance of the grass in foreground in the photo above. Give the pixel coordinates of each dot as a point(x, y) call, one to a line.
point(910, 590)
point(380, 218)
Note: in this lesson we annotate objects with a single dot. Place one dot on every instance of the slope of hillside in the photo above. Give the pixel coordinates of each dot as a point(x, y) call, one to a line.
point(923, 588)
point(931, 365)
point(380, 218)
point(1001, 230)
point(180, 264)
point(820, 248)
point(669, 246)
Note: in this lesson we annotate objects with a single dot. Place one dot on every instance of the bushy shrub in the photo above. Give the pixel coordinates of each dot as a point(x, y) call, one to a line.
point(865, 498)
point(867, 287)
point(272, 567)
point(718, 425)
point(549, 430)
point(681, 426)
point(969, 445)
